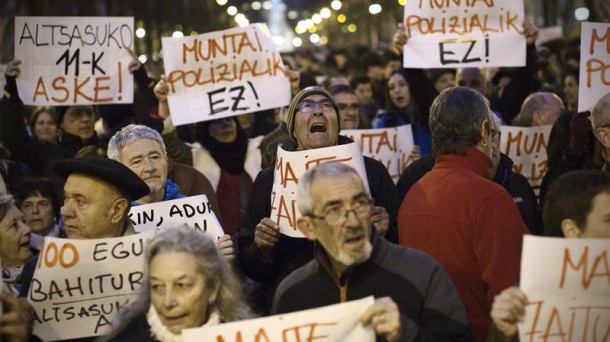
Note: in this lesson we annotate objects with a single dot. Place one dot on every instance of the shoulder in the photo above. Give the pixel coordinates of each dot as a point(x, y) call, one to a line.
point(295, 283)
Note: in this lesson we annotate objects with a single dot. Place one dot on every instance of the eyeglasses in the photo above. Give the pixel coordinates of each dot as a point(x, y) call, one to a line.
point(495, 134)
point(344, 106)
point(310, 106)
point(337, 214)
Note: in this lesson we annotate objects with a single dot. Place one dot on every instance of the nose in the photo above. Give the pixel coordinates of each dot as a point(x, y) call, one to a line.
point(66, 210)
point(169, 300)
point(24, 227)
point(351, 219)
point(35, 209)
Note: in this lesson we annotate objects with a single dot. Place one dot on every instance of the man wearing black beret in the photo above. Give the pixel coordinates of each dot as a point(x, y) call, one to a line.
point(97, 199)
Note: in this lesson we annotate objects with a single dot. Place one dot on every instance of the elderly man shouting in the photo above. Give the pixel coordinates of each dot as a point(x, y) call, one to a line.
point(415, 299)
point(265, 255)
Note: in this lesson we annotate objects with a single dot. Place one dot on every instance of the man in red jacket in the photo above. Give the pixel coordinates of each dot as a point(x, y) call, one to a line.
point(455, 213)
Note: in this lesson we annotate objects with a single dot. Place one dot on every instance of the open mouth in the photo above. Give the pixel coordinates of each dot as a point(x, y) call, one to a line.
point(174, 320)
point(354, 240)
point(317, 127)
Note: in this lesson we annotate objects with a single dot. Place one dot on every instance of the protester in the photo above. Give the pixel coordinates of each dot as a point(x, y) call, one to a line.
point(14, 244)
point(142, 150)
point(39, 203)
point(601, 127)
point(189, 285)
point(469, 224)
point(347, 103)
point(43, 124)
point(363, 88)
point(577, 206)
point(352, 261)
point(539, 109)
point(97, 199)
point(570, 89)
point(264, 254)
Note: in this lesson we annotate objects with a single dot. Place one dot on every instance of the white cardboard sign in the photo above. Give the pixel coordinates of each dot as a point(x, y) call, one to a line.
point(527, 146)
point(594, 64)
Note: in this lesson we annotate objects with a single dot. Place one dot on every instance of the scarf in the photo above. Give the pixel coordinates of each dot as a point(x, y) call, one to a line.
point(37, 241)
point(231, 157)
point(160, 331)
point(11, 277)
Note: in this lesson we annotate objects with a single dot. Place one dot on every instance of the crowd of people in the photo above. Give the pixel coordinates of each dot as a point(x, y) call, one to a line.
point(440, 250)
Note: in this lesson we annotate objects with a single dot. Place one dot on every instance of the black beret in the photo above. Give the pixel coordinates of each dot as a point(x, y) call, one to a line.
point(110, 171)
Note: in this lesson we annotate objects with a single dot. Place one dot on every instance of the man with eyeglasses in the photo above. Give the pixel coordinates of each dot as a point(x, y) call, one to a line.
point(469, 224)
point(414, 297)
point(264, 254)
point(349, 109)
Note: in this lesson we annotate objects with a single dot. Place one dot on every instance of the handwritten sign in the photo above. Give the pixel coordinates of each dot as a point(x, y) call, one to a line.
point(290, 165)
point(339, 322)
point(594, 64)
point(391, 146)
point(194, 211)
point(567, 282)
point(526, 146)
point(80, 285)
point(74, 60)
point(224, 73)
point(464, 33)
point(547, 34)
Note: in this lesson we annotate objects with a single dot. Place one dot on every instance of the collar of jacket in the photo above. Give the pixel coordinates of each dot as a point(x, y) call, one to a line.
point(472, 160)
point(504, 171)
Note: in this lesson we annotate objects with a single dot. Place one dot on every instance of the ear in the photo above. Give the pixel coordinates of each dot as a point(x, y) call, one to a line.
point(118, 210)
point(306, 227)
point(485, 130)
point(570, 229)
point(603, 136)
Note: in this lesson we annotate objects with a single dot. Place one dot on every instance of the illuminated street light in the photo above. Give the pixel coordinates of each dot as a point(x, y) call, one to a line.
point(232, 10)
point(581, 13)
point(341, 18)
point(296, 41)
point(375, 9)
point(140, 33)
point(256, 5)
point(402, 2)
point(309, 23)
point(292, 15)
point(336, 5)
point(325, 12)
point(314, 38)
point(267, 5)
point(222, 2)
point(177, 34)
point(316, 18)
point(352, 28)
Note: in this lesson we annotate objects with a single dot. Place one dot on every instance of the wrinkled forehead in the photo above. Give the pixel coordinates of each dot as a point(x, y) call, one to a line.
point(316, 97)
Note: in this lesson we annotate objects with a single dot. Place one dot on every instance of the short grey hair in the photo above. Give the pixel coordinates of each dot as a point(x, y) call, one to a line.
point(329, 169)
point(456, 116)
point(601, 112)
point(129, 134)
point(541, 100)
point(6, 202)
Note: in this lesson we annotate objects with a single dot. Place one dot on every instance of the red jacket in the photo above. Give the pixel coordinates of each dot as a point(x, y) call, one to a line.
point(470, 225)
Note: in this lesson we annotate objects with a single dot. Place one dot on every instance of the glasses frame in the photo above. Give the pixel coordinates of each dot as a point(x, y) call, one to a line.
point(344, 213)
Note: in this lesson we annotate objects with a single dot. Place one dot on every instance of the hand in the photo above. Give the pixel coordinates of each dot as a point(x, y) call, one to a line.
point(161, 89)
point(12, 68)
point(384, 316)
point(295, 78)
point(580, 131)
point(380, 220)
point(225, 247)
point(400, 39)
point(134, 65)
point(530, 31)
point(508, 309)
point(16, 324)
point(267, 234)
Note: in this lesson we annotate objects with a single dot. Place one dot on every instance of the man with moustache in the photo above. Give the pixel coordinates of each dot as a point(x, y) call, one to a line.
point(414, 297)
point(264, 254)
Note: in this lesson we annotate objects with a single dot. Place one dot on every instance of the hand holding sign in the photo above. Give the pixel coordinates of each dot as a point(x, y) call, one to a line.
point(380, 220)
point(508, 309)
point(12, 68)
point(384, 316)
point(266, 235)
point(225, 247)
point(400, 39)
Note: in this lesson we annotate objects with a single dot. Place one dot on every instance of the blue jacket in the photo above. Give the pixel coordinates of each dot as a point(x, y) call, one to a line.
point(172, 191)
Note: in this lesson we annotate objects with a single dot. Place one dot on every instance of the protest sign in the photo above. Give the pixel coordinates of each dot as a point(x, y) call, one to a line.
point(526, 146)
point(79, 285)
point(339, 322)
point(74, 60)
point(567, 285)
point(464, 33)
point(594, 79)
point(290, 165)
point(391, 146)
point(224, 73)
point(194, 211)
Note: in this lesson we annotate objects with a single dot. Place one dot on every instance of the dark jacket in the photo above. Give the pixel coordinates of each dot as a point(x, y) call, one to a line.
point(429, 304)
point(291, 253)
point(515, 183)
